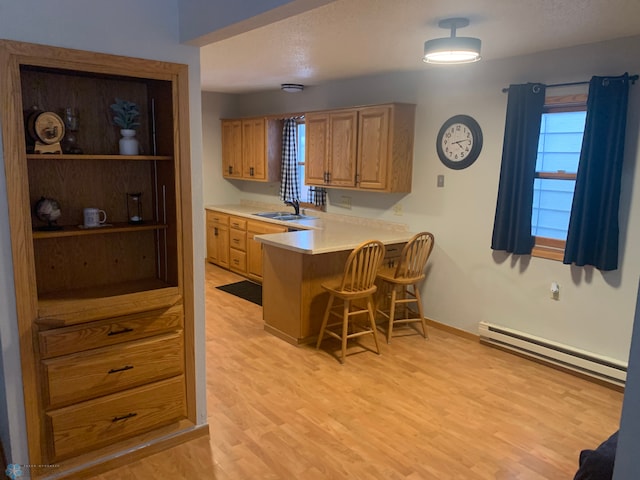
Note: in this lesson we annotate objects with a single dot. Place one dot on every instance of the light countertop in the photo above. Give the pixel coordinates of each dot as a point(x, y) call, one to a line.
point(324, 234)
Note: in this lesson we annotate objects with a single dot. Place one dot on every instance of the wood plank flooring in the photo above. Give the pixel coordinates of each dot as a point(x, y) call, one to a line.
point(442, 408)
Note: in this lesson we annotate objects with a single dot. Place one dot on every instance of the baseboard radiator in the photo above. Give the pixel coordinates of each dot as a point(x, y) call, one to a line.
point(587, 363)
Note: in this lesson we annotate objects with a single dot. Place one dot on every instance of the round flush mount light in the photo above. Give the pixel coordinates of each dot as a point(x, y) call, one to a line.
point(452, 49)
point(292, 87)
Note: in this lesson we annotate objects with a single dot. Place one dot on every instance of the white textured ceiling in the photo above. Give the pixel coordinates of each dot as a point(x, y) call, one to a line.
point(348, 38)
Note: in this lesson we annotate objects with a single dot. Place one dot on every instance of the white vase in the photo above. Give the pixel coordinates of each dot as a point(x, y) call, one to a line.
point(128, 142)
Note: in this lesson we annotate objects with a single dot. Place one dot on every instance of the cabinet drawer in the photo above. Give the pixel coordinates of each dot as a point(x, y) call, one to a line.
point(105, 420)
point(237, 260)
point(260, 228)
point(217, 217)
point(238, 223)
point(81, 376)
point(62, 341)
point(238, 239)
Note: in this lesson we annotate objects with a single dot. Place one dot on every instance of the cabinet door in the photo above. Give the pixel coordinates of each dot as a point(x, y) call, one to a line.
point(232, 148)
point(373, 148)
point(317, 148)
point(253, 149)
point(254, 248)
point(218, 244)
point(342, 154)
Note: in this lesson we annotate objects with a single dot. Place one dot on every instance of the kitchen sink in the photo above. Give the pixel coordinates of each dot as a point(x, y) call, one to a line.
point(284, 216)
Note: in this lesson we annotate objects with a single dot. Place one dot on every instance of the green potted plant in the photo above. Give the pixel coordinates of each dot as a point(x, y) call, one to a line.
point(125, 116)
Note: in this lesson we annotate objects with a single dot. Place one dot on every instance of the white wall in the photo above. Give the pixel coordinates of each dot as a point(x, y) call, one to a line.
point(145, 29)
point(467, 282)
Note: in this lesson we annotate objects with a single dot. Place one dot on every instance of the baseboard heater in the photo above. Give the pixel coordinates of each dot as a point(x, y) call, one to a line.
point(603, 368)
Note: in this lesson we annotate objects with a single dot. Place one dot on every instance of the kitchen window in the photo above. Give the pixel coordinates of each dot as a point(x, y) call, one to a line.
point(559, 145)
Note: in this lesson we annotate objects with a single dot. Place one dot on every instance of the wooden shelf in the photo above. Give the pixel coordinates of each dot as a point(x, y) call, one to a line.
point(53, 156)
point(71, 307)
point(75, 230)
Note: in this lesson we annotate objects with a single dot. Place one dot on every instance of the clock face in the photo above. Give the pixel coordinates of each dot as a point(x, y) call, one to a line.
point(459, 142)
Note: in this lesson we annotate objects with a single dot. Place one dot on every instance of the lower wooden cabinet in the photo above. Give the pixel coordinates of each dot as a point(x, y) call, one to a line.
point(107, 380)
point(218, 238)
point(236, 245)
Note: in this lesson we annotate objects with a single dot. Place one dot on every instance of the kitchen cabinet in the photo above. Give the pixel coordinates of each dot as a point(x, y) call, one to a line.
point(331, 148)
point(254, 248)
point(252, 149)
point(218, 238)
point(105, 315)
point(365, 148)
point(232, 148)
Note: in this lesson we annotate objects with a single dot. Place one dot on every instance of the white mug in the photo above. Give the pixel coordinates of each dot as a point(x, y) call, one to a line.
point(92, 217)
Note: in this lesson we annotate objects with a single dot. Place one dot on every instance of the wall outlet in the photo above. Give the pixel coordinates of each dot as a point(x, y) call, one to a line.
point(397, 209)
point(345, 202)
point(440, 181)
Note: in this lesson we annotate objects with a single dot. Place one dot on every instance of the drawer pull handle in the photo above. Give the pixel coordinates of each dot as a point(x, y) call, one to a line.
point(118, 332)
point(123, 417)
point(116, 370)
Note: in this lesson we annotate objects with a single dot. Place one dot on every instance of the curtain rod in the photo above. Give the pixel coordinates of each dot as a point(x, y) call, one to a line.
point(632, 79)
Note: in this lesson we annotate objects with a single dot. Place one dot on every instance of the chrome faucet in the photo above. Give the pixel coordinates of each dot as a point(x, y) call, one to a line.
point(295, 204)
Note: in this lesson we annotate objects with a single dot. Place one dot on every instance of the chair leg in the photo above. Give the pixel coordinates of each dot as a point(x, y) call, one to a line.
point(416, 293)
point(372, 321)
point(325, 319)
point(345, 329)
point(392, 313)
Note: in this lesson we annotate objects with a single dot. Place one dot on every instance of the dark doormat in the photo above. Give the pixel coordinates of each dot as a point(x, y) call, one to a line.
point(244, 289)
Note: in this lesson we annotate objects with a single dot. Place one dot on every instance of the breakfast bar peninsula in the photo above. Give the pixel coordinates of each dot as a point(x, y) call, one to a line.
point(296, 264)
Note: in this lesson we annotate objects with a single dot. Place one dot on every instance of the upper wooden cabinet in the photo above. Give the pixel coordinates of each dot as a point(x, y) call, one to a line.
point(331, 148)
point(102, 312)
point(252, 149)
point(366, 148)
point(232, 148)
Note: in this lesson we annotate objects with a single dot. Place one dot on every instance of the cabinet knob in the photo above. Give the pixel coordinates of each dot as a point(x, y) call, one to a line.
point(251, 171)
point(215, 231)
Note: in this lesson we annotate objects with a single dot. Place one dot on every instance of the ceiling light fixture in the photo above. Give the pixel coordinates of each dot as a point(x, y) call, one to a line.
point(452, 49)
point(292, 87)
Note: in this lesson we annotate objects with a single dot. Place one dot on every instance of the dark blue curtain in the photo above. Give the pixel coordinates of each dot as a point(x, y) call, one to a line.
point(593, 226)
point(512, 224)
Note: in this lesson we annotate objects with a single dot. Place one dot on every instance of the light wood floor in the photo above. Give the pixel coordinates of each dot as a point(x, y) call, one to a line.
point(445, 408)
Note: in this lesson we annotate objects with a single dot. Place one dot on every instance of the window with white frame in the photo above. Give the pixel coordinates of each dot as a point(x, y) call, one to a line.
point(561, 132)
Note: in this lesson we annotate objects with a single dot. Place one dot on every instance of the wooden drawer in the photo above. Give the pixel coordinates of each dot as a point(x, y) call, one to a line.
point(238, 239)
point(81, 376)
point(238, 223)
point(217, 218)
point(62, 341)
point(259, 228)
point(237, 260)
point(105, 420)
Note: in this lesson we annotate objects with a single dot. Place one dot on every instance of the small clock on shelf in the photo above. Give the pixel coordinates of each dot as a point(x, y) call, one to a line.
point(459, 142)
point(46, 130)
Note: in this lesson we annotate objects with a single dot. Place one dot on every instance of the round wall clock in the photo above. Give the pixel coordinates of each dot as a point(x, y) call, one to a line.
point(459, 142)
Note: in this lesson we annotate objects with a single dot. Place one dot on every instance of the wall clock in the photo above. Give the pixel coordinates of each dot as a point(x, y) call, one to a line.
point(459, 142)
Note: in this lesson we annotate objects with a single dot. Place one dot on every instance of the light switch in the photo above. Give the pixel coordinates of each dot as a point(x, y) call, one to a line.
point(440, 181)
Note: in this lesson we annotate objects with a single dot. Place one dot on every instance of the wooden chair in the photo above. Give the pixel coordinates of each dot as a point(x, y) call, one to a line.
point(394, 283)
point(357, 284)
